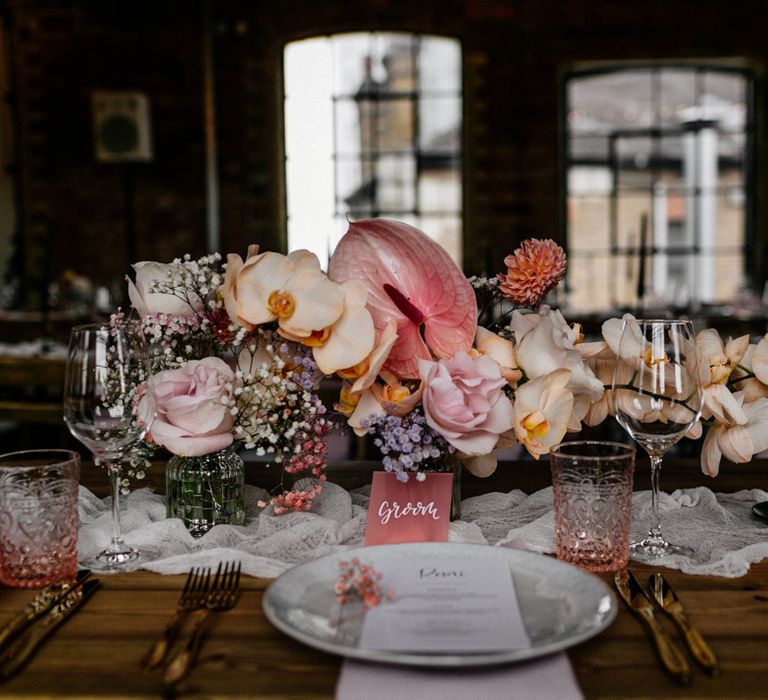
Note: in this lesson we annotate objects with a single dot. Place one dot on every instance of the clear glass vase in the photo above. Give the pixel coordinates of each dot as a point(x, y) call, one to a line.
point(206, 491)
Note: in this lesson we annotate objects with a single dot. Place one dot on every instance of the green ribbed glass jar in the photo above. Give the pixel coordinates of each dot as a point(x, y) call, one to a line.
point(206, 491)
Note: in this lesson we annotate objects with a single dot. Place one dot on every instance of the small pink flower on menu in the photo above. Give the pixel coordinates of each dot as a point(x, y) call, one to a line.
point(533, 269)
point(192, 405)
point(463, 400)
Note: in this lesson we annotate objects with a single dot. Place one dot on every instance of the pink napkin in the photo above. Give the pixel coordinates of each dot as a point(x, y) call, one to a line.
point(541, 679)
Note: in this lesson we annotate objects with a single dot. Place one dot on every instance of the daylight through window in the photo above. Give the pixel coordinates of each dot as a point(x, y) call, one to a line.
point(658, 186)
point(373, 129)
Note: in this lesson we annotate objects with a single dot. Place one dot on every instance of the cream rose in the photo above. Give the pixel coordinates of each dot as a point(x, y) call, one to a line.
point(146, 302)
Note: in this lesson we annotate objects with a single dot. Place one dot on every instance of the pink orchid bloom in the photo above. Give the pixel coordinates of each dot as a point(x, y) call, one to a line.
point(412, 280)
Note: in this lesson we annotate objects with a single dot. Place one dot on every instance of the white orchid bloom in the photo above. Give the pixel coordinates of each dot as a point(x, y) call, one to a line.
point(542, 410)
point(737, 443)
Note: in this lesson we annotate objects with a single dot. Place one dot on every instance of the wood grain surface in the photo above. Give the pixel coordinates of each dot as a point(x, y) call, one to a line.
point(97, 652)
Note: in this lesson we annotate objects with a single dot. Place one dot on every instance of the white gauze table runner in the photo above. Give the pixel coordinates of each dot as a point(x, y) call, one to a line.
point(719, 527)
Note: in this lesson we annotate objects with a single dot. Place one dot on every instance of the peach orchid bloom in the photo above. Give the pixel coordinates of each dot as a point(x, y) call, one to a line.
point(542, 410)
point(737, 443)
point(718, 361)
point(290, 289)
point(228, 290)
point(364, 373)
point(502, 351)
point(411, 279)
point(349, 340)
point(755, 361)
point(760, 360)
point(391, 398)
point(545, 343)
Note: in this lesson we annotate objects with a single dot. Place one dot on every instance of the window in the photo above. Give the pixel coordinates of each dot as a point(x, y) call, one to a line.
point(658, 185)
point(372, 129)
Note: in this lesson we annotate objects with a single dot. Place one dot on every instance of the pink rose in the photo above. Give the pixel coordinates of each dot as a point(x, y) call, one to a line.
point(464, 402)
point(191, 418)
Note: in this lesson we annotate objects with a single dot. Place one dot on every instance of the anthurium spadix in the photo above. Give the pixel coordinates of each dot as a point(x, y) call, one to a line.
point(413, 281)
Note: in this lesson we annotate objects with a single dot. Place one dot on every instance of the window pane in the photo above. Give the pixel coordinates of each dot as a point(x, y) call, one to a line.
point(440, 124)
point(440, 190)
point(396, 183)
point(346, 123)
point(440, 65)
point(678, 95)
point(446, 230)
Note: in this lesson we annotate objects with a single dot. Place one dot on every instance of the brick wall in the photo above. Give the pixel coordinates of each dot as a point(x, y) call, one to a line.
point(515, 54)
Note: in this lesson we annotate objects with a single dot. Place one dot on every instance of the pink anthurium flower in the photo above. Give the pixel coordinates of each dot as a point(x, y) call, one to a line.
point(410, 279)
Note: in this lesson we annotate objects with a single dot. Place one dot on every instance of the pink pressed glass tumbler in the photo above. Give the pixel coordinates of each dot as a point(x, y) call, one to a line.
point(38, 517)
point(592, 485)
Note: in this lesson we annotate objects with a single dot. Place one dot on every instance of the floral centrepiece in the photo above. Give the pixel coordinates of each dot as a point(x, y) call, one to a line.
point(433, 365)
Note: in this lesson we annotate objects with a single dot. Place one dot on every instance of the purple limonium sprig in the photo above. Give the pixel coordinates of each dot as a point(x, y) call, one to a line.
point(407, 443)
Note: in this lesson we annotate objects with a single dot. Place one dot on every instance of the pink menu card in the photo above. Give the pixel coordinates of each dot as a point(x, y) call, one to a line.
point(409, 511)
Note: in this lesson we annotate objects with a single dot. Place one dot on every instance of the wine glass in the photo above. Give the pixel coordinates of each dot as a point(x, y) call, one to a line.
point(657, 398)
point(106, 368)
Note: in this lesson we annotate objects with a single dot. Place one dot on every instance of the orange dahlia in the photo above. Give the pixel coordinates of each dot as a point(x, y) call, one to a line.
point(532, 270)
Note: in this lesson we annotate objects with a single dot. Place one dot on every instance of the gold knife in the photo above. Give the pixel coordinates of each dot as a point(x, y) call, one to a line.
point(672, 658)
point(670, 604)
point(27, 643)
point(38, 606)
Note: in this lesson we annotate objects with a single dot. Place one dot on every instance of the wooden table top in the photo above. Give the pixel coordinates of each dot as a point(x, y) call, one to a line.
point(97, 652)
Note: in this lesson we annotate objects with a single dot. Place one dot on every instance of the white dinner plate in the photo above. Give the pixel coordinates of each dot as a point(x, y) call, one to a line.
point(561, 605)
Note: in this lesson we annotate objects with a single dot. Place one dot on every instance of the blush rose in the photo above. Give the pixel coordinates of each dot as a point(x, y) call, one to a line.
point(463, 401)
point(192, 405)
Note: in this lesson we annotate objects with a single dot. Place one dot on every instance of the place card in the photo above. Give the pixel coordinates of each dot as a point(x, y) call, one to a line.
point(446, 605)
point(409, 511)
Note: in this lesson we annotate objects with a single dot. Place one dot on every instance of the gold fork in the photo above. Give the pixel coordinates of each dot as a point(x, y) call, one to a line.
point(222, 596)
point(193, 597)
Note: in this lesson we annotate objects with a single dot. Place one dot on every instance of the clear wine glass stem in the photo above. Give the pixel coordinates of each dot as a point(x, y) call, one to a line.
point(117, 553)
point(113, 469)
point(654, 533)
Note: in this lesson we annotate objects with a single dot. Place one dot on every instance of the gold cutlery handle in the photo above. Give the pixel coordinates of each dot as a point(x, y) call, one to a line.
point(669, 652)
point(183, 662)
point(27, 644)
point(700, 650)
point(159, 649)
point(38, 606)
